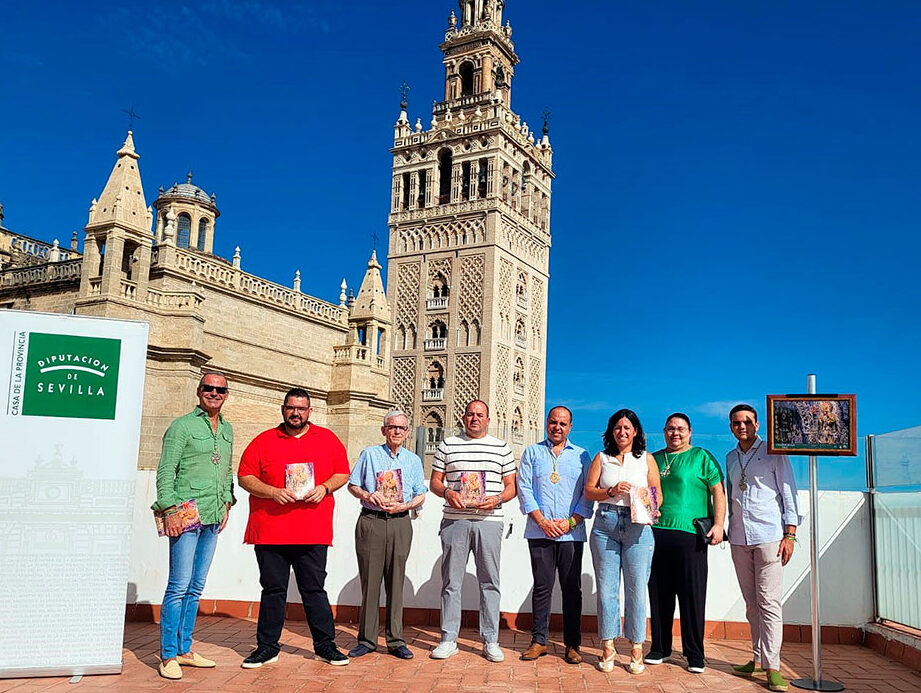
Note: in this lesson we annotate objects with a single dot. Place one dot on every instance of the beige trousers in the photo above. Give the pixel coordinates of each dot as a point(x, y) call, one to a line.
point(760, 575)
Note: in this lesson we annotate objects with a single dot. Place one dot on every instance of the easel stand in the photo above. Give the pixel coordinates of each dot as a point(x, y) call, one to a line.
point(815, 683)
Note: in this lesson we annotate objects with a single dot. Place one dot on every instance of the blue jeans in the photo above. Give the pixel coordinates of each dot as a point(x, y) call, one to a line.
point(190, 557)
point(618, 545)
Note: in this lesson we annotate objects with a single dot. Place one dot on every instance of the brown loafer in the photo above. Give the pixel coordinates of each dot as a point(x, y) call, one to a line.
point(534, 651)
point(572, 655)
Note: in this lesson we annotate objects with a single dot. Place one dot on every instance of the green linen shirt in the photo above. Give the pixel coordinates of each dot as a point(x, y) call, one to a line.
point(186, 470)
point(686, 487)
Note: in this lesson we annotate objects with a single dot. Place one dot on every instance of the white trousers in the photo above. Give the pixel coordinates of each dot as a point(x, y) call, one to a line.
point(760, 575)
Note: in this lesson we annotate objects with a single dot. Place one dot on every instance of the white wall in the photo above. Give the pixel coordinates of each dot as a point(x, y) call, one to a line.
point(845, 571)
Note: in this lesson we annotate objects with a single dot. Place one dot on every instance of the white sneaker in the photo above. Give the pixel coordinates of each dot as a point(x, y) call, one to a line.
point(493, 652)
point(445, 649)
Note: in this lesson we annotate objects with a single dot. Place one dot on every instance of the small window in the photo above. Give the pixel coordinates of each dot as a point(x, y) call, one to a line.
point(466, 75)
point(202, 230)
point(184, 230)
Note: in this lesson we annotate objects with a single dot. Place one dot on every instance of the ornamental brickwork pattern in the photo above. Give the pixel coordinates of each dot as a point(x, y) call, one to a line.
point(404, 380)
point(466, 383)
point(471, 285)
point(407, 303)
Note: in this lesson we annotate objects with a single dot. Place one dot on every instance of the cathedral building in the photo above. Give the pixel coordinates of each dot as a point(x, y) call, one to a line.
point(469, 247)
point(464, 315)
point(206, 313)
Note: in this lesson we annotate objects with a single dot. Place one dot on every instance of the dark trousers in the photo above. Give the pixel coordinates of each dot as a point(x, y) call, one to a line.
point(382, 545)
point(563, 558)
point(309, 564)
point(679, 569)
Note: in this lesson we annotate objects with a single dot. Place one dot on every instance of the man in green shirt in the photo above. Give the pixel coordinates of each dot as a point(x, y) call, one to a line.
point(195, 464)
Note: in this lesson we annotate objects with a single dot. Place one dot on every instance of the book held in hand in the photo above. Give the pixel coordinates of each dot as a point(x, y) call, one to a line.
point(299, 478)
point(644, 505)
point(390, 485)
point(473, 488)
point(188, 516)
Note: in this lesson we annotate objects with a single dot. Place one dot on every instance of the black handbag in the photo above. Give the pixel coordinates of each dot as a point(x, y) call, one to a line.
point(703, 525)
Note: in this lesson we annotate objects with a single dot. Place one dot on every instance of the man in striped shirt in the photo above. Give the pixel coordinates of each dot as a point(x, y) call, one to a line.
point(475, 473)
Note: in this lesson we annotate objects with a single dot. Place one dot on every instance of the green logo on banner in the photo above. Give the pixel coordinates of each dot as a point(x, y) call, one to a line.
point(70, 376)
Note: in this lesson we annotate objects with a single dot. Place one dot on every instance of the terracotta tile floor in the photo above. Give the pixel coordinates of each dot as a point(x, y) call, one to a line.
point(228, 640)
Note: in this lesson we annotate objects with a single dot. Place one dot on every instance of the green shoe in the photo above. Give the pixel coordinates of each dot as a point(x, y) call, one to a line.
point(747, 669)
point(775, 681)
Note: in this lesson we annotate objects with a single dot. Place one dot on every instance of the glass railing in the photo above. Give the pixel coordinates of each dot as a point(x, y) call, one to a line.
point(895, 496)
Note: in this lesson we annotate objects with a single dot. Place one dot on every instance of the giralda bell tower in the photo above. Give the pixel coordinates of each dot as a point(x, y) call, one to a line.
point(470, 243)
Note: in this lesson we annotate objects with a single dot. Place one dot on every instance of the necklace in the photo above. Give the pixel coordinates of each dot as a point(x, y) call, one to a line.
point(743, 484)
point(668, 463)
point(555, 476)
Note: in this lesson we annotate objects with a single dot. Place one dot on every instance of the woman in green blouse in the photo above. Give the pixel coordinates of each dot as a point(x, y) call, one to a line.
point(691, 488)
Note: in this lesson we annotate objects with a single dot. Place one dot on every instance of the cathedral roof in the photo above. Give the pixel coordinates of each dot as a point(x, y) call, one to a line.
point(186, 191)
point(371, 301)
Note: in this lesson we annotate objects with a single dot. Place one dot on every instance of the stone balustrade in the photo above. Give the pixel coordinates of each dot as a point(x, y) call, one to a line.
point(174, 300)
point(440, 303)
point(433, 395)
point(69, 270)
point(206, 271)
point(436, 344)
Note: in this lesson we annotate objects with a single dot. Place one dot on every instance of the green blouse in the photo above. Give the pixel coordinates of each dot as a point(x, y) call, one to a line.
point(186, 470)
point(686, 487)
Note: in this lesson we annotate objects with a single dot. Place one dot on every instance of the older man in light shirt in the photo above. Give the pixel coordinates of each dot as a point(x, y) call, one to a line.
point(388, 480)
point(551, 490)
point(763, 517)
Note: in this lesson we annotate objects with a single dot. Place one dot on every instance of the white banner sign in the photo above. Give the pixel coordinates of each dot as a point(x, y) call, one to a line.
point(71, 392)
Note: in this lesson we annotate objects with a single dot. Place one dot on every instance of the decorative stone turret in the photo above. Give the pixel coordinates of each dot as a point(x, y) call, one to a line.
point(116, 252)
point(196, 213)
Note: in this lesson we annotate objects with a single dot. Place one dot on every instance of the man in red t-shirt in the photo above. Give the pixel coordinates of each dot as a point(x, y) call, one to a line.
point(291, 473)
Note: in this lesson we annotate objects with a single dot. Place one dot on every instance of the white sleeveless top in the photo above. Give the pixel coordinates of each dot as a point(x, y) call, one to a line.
point(634, 470)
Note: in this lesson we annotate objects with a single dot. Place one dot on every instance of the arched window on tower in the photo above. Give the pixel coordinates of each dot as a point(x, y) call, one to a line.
point(466, 182)
point(438, 329)
point(518, 377)
point(445, 168)
point(517, 426)
point(466, 75)
point(202, 231)
point(183, 230)
point(434, 431)
point(474, 333)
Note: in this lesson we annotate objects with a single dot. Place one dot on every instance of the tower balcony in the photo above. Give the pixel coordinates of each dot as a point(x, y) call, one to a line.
point(436, 344)
point(519, 388)
point(433, 395)
point(484, 98)
point(440, 303)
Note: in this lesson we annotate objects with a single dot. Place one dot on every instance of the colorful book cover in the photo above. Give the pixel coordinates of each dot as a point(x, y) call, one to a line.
point(473, 488)
point(299, 478)
point(644, 505)
point(390, 485)
point(188, 515)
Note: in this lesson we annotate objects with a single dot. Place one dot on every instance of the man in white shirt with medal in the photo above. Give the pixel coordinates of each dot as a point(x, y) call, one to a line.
point(763, 517)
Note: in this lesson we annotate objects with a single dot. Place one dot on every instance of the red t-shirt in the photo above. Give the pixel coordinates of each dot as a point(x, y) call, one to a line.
point(299, 522)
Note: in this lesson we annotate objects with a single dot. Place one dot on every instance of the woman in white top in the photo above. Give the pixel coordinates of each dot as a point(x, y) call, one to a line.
point(618, 544)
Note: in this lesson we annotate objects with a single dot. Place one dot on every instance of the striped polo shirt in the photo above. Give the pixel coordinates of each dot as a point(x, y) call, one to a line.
point(459, 454)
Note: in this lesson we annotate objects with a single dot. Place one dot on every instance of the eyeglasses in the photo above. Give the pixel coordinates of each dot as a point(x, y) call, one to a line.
point(213, 388)
point(677, 429)
point(299, 410)
point(391, 427)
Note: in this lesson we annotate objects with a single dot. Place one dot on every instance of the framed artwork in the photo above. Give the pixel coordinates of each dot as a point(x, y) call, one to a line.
point(812, 425)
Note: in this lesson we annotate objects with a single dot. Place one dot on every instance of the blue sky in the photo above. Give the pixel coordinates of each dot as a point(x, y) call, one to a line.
point(737, 194)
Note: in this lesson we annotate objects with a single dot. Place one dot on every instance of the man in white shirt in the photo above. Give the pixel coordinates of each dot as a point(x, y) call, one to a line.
point(475, 473)
point(763, 517)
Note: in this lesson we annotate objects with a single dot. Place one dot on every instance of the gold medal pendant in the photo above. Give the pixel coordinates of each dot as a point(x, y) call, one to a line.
point(554, 478)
